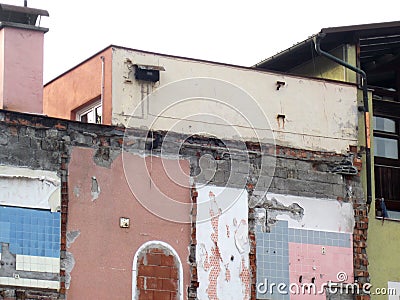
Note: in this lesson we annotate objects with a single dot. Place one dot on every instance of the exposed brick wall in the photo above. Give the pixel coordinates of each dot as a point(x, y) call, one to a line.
point(45, 143)
point(158, 275)
point(194, 284)
point(360, 234)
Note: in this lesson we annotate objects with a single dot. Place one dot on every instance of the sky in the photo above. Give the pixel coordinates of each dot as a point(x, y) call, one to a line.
point(234, 32)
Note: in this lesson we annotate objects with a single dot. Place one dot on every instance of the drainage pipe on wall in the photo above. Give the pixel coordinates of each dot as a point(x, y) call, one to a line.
point(365, 109)
point(102, 88)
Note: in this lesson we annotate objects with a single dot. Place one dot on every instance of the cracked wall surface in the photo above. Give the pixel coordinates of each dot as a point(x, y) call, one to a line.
point(300, 186)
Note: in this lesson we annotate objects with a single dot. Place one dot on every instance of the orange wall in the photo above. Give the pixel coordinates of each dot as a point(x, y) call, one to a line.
point(79, 86)
point(104, 252)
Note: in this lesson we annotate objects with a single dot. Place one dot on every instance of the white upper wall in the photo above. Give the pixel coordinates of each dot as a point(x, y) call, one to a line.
point(195, 97)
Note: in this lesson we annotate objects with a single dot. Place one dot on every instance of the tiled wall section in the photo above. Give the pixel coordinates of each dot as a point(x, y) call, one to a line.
point(30, 232)
point(337, 239)
point(37, 264)
point(45, 284)
point(273, 259)
point(274, 255)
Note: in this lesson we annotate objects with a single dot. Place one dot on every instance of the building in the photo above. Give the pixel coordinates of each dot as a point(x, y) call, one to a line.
point(285, 158)
point(201, 180)
point(373, 48)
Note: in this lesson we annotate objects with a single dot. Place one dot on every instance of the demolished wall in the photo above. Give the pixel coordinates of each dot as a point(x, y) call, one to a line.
point(290, 191)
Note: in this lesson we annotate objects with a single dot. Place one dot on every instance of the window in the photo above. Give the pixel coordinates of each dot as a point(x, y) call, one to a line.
point(91, 113)
point(387, 164)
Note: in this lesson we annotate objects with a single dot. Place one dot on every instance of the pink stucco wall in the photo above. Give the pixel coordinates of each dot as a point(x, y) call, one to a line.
point(103, 251)
point(22, 70)
point(307, 261)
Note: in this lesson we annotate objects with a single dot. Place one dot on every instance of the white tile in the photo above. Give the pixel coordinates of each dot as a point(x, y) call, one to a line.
point(49, 268)
point(42, 283)
point(34, 267)
point(54, 285)
point(34, 259)
point(34, 283)
point(19, 266)
point(18, 258)
point(56, 268)
point(4, 280)
point(24, 282)
point(12, 281)
point(41, 268)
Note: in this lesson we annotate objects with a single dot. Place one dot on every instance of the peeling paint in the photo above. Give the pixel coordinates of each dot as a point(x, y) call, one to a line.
point(95, 190)
point(242, 237)
point(275, 208)
point(55, 200)
point(72, 236)
point(24, 187)
point(68, 263)
point(220, 256)
point(76, 191)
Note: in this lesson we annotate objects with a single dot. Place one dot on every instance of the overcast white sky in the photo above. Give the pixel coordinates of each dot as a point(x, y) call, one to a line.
point(236, 32)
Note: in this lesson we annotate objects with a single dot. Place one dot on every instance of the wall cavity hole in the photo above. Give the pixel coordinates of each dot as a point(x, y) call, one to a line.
point(313, 280)
point(301, 278)
point(232, 258)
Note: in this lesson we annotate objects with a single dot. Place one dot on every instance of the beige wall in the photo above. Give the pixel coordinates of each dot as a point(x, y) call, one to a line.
point(231, 102)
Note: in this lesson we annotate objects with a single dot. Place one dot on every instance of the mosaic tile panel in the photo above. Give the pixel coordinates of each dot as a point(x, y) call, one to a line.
point(30, 231)
point(273, 259)
point(314, 237)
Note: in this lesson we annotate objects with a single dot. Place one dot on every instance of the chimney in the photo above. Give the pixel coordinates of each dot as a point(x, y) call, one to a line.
point(21, 59)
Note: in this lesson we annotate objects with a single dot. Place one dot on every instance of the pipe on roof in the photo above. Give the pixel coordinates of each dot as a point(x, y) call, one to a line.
point(317, 42)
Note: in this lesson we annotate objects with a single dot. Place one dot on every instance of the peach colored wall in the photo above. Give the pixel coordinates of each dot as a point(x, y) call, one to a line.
point(79, 86)
point(103, 251)
point(22, 70)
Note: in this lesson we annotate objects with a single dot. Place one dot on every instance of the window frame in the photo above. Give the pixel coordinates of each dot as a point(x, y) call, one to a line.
point(389, 110)
point(90, 108)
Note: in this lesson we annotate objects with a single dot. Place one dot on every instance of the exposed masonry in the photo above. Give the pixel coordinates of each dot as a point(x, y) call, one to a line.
point(46, 143)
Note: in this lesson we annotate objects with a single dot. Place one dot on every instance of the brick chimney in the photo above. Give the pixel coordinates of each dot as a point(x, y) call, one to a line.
point(21, 59)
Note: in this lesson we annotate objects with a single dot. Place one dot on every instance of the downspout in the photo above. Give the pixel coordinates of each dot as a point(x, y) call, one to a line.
point(317, 42)
point(102, 88)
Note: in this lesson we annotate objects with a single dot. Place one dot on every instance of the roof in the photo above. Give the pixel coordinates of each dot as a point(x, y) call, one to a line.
point(375, 39)
point(20, 14)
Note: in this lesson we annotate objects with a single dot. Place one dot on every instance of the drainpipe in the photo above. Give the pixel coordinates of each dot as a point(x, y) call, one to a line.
point(102, 88)
point(365, 109)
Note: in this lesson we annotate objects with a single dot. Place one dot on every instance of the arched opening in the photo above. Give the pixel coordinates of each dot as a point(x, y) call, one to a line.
point(157, 272)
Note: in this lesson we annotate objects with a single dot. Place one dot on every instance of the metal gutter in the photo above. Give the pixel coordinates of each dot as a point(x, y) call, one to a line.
point(365, 108)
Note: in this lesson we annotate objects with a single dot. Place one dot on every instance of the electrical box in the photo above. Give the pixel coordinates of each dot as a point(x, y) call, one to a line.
point(147, 73)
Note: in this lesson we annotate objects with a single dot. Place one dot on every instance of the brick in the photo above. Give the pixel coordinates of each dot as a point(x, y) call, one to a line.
point(155, 250)
point(146, 271)
point(146, 295)
point(160, 272)
point(162, 295)
point(153, 259)
point(168, 260)
point(169, 284)
point(140, 282)
point(151, 283)
point(174, 273)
